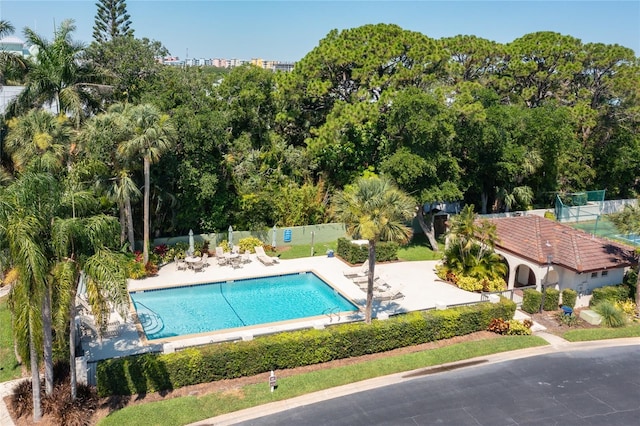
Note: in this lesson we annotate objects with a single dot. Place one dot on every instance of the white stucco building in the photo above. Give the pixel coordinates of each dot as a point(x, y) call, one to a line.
point(541, 252)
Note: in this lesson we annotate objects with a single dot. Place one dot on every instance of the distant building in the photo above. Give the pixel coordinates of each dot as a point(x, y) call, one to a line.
point(226, 63)
point(14, 45)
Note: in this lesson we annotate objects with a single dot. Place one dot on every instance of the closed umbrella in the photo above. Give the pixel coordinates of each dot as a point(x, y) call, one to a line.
point(273, 236)
point(191, 243)
point(230, 236)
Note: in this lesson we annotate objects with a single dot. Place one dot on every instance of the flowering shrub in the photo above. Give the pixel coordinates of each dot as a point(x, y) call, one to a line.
point(518, 328)
point(498, 325)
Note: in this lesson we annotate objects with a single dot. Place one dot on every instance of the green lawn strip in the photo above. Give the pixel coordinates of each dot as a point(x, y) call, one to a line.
point(304, 250)
point(415, 252)
point(602, 333)
point(9, 368)
point(183, 410)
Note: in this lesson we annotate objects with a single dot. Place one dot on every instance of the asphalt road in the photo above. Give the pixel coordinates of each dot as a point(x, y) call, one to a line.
point(581, 387)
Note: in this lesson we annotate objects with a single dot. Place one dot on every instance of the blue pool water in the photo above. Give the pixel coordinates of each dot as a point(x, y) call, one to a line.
point(180, 311)
point(632, 238)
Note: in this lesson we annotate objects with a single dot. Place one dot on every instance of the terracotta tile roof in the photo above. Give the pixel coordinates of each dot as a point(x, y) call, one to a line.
point(534, 237)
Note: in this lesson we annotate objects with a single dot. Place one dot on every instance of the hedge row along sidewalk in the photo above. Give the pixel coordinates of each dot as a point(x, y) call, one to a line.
point(161, 372)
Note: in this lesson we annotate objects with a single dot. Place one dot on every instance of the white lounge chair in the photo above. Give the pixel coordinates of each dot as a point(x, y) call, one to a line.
point(357, 271)
point(262, 256)
point(391, 294)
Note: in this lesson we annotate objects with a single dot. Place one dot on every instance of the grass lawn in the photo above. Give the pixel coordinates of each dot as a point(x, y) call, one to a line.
point(179, 411)
point(417, 249)
point(602, 333)
point(9, 368)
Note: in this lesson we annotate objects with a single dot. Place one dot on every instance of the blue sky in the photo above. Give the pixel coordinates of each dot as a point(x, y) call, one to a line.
point(288, 30)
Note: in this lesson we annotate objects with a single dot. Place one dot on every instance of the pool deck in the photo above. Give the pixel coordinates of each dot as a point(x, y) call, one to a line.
point(418, 282)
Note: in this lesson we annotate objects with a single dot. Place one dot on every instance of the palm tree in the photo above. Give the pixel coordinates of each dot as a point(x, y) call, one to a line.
point(23, 208)
point(628, 222)
point(470, 247)
point(58, 76)
point(376, 210)
point(38, 139)
point(153, 135)
point(99, 140)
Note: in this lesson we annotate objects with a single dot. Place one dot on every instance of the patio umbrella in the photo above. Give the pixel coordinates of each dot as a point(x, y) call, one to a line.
point(273, 236)
point(230, 235)
point(191, 244)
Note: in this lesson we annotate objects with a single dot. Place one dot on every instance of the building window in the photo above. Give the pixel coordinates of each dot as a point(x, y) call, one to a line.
point(594, 275)
point(604, 273)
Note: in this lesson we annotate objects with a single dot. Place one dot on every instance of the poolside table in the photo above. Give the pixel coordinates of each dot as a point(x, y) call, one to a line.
point(192, 259)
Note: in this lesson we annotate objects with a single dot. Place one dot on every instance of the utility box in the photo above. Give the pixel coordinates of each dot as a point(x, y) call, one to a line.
point(591, 317)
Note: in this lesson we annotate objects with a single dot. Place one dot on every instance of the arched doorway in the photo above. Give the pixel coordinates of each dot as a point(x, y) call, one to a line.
point(524, 277)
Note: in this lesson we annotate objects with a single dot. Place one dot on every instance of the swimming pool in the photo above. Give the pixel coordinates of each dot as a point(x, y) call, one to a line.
point(180, 311)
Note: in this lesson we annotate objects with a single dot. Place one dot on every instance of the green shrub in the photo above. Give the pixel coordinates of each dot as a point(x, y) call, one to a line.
point(611, 293)
point(155, 372)
point(531, 300)
point(568, 320)
point(569, 297)
point(355, 253)
point(518, 328)
point(611, 315)
point(469, 284)
point(249, 243)
point(627, 306)
point(551, 299)
point(549, 215)
point(493, 285)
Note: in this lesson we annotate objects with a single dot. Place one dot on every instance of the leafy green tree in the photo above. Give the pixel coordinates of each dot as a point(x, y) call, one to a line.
point(130, 64)
point(418, 152)
point(153, 135)
point(376, 210)
point(112, 21)
point(628, 222)
point(56, 76)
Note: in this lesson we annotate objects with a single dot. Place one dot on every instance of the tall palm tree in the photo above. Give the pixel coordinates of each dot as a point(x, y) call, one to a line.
point(23, 208)
point(99, 140)
point(58, 76)
point(153, 135)
point(376, 210)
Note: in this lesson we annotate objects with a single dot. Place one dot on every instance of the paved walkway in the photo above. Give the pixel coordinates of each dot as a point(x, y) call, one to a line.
point(6, 388)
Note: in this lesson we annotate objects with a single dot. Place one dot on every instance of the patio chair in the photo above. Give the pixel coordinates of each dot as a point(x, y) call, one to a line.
point(197, 266)
point(180, 264)
point(205, 259)
point(262, 256)
point(357, 271)
point(246, 257)
point(222, 260)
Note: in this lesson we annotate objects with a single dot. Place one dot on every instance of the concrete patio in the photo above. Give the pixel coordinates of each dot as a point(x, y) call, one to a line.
point(421, 288)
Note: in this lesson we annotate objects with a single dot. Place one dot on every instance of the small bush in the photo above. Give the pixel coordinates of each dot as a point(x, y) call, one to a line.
point(611, 293)
point(611, 316)
point(627, 306)
point(569, 297)
point(568, 320)
point(499, 326)
point(469, 284)
point(549, 215)
point(551, 299)
point(21, 401)
point(249, 243)
point(355, 253)
point(531, 301)
point(518, 328)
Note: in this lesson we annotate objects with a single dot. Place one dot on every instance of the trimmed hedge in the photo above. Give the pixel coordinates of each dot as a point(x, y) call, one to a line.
point(531, 301)
point(551, 299)
point(611, 293)
point(158, 372)
point(569, 297)
point(355, 253)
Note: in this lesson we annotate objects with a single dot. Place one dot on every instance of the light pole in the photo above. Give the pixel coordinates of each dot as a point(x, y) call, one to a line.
point(546, 281)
